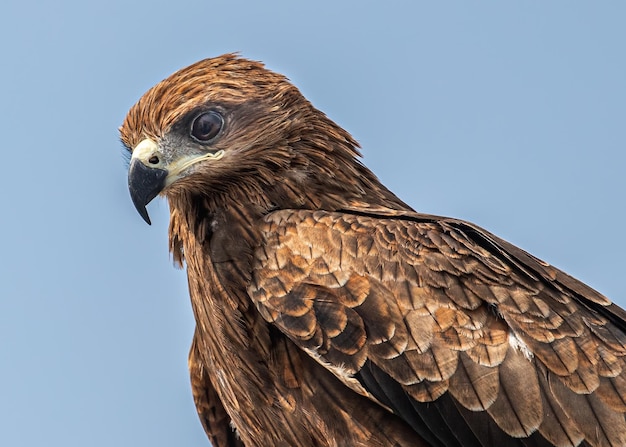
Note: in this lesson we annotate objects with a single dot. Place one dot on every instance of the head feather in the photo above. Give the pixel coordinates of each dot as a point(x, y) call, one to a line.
point(227, 78)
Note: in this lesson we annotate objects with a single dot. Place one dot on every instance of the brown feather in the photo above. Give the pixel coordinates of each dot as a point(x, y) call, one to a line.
point(517, 416)
point(213, 416)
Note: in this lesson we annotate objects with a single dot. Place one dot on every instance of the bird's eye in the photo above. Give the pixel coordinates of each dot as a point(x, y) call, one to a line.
point(206, 126)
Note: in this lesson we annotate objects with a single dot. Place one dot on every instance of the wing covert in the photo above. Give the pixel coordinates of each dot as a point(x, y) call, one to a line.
point(452, 317)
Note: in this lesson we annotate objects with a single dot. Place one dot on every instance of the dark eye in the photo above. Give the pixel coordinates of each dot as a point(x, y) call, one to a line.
point(206, 126)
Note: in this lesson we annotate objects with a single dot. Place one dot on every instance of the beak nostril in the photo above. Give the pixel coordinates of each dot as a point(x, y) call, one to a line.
point(154, 160)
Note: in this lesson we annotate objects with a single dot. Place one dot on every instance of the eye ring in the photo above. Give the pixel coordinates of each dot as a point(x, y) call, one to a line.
point(206, 126)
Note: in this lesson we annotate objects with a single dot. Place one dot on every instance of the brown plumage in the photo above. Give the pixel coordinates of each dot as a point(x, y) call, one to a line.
point(329, 313)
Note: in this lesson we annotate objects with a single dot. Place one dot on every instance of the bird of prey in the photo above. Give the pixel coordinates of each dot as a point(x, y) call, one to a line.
point(330, 313)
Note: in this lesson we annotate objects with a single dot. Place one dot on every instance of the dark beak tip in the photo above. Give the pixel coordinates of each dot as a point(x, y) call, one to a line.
point(143, 212)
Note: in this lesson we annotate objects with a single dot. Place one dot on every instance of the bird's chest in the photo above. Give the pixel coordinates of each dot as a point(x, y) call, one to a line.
point(218, 269)
point(233, 339)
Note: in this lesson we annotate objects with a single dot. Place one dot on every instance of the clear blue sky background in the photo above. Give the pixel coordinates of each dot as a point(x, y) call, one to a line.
point(508, 114)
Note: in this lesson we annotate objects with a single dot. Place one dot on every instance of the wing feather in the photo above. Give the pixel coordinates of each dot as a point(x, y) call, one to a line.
point(517, 416)
point(473, 385)
point(414, 306)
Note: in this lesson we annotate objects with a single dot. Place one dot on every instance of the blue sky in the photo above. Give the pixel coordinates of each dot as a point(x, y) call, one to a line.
point(510, 114)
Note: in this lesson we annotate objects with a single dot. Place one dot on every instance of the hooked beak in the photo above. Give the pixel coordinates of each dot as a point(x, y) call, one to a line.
point(145, 178)
point(149, 173)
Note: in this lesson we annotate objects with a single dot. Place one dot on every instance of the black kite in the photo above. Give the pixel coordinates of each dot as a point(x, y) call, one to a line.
point(329, 313)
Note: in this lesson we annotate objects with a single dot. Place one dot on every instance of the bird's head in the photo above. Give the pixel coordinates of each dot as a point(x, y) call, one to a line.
point(205, 125)
point(228, 127)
